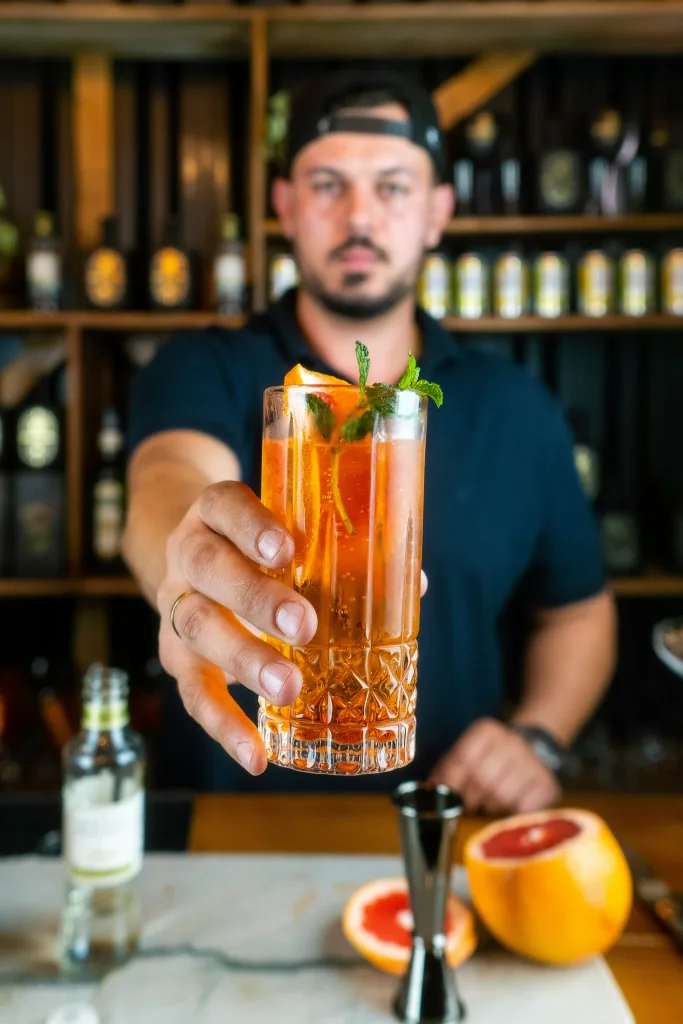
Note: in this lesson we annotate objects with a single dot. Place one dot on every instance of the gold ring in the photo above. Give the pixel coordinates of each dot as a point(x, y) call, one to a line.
point(173, 610)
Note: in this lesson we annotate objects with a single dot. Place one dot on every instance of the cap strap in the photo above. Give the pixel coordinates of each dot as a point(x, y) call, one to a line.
point(367, 125)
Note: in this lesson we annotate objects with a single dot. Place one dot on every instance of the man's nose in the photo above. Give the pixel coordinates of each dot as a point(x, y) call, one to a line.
point(361, 209)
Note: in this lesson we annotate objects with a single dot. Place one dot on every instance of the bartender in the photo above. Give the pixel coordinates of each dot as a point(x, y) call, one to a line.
point(362, 198)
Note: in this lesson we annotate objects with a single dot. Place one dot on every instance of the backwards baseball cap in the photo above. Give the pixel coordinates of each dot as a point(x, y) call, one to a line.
point(314, 112)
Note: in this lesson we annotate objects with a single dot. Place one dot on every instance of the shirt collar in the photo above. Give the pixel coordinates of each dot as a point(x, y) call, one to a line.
point(438, 346)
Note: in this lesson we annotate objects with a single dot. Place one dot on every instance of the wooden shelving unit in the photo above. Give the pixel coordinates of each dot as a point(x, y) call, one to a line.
point(24, 319)
point(92, 34)
point(615, 322)
point(209, 31)
point(534, 225)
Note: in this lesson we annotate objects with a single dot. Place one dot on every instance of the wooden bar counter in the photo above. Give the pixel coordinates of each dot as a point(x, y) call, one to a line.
point(645, 962)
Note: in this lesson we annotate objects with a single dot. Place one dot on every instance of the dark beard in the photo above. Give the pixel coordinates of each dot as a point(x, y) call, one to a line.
point(349, 307)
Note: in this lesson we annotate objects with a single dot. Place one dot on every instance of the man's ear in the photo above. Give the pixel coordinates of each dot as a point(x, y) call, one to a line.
point(442, 205)
point(283, 204)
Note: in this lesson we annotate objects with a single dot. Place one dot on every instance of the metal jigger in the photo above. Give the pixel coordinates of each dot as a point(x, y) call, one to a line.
point(428, 816)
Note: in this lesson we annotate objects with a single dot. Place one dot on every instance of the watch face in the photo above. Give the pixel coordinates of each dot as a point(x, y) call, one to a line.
point(559, 181)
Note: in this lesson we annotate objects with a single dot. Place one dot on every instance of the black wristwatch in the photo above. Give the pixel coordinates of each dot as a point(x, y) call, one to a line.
point(544, 745)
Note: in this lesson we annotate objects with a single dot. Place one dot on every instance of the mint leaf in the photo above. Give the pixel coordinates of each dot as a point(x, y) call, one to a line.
point(433, 391)
point(322, 414)
point(411, 374)
point(382, 398)
point(355, 428)
point(363, 359)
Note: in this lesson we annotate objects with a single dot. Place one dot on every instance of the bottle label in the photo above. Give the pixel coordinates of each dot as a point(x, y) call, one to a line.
point(230, 278)
point(552, 285)
point(110, 441)
point(434, 287)
point(170, 277)
point(284, 275)
point(596, 282)
point(105, 716)
point(511, 286)
point(560, 180)
point(38, 528)
point(108, 519)
point(103, 842)
point(672, 282)
point(637, 283)
point(105, 277)
point(37, 437)
point(471, 282)
point(44, 275)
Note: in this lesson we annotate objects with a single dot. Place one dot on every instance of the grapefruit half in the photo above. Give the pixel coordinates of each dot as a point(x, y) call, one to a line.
point(553, 886)
point(378, 923)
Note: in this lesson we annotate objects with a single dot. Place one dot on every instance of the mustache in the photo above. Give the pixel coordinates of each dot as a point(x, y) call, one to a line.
point(359, 242)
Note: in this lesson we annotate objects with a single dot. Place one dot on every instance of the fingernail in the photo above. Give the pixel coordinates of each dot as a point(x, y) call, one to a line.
point(269, 543)
point(289, 618)
point(273, 678)
point(244, 754)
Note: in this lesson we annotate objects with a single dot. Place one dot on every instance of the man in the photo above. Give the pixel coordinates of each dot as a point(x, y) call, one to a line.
point(361, 198)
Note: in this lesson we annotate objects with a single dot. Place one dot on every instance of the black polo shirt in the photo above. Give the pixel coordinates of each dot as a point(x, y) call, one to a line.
point(504, 511)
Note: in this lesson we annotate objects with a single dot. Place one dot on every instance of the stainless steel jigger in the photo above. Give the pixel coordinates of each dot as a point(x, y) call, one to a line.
point(428, 816)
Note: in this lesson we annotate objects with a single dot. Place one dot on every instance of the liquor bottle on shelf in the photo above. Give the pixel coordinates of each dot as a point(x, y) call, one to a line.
point(435, 285)
point(619, 531)
point(38, 547)
point(614, 146)
point(672, 169)
point(671, 281)
point(44, 266)
point(229, 271)
point(108, 511)
point(106, 277)
point(480, 139)
point(5, 492)
point(551, 284)
point(560, 178)
point(472, 286)
point(595, 283)
point(511, 283)
point(9, 252)
point(172, 275)
point(103, 828)
point(637, 292)
point(283, 275)
point(463, 183)
point(512, 197)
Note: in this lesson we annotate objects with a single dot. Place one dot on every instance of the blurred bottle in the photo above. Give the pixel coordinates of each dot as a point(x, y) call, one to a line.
point(103, 828)
point(434, 286)
point(106, 276)
point(44, 266)
point(283, 274)
point(229, 271)
point(172, 276)
point(108, 499)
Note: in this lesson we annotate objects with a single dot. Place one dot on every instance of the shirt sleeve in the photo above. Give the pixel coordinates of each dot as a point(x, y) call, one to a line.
point(187, 387)
point(568, 565)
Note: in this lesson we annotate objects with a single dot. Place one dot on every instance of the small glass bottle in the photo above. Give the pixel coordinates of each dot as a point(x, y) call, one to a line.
point(103, 829)
point(44, 266)
point(511, 284)
point(284, 274)
point(672, 282)
point(595, 283)
point(551, 284)
point(472, 286)
point(636, 282)
point(108, 493)
point(229, 273)
point(434, 286)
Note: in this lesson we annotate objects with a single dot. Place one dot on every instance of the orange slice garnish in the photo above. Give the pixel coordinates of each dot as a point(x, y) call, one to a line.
point(300, 375)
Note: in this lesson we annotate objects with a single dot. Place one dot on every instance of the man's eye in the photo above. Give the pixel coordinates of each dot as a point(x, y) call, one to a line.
point(326, 188)
point(390, 190)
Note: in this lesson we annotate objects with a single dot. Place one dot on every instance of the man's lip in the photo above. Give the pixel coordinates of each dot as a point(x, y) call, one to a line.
point(358, 256)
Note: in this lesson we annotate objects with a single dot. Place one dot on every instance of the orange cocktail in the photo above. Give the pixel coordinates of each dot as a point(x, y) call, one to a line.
point(352, 498)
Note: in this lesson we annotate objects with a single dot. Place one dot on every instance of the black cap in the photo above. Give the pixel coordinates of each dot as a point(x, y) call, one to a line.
point(312, 103)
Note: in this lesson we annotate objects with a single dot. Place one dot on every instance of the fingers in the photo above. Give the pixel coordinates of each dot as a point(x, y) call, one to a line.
point(233, 510)
point(214, 566)
point(206, 699)
point(497, 771)
point(215, 635)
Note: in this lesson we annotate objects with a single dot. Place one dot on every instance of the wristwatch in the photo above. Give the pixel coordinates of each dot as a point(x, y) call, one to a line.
point(544, 745)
